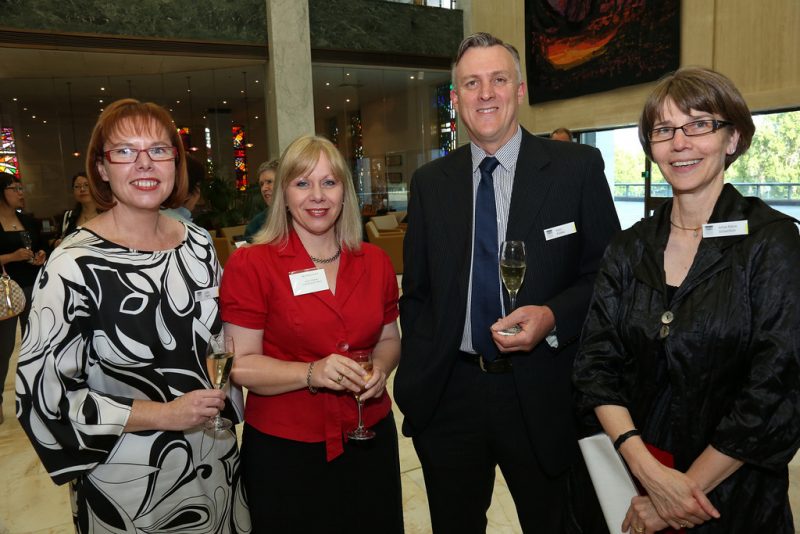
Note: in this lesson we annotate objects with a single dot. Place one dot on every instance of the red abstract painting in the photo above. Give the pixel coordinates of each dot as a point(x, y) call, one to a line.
point(578, 47)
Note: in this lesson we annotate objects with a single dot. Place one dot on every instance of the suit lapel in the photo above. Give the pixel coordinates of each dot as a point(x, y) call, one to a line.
point(530, 189)
point(457, 198)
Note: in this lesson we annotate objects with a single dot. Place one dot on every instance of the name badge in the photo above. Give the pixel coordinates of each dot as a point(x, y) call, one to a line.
point(207, 293)
point(308, 281)
point(560, 231)
point(239, 244)
point(725, 229)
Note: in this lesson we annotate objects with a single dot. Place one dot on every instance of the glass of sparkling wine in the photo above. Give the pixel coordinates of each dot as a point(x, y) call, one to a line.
point(512, 271)
point(364, 359)
point(27, 241)
point(219, 360)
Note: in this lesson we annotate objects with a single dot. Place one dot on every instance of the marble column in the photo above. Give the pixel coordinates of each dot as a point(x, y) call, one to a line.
point(289, 97)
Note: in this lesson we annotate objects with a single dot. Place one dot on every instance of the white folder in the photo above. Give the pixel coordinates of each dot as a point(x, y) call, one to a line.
point(610, 477)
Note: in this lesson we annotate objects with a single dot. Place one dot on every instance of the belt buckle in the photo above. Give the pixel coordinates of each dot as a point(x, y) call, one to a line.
point(482, 363)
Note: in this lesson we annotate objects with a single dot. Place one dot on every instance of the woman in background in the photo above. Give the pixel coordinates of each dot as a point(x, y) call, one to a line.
point(112, 387)
point(85, 209)
point(20, 262)
point(266, 179)
point(690, 356)
point(300, 472)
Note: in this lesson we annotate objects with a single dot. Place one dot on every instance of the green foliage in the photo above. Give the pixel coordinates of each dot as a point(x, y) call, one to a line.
point(225, 205)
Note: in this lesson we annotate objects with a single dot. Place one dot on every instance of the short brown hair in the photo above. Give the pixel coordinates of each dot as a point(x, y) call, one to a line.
point(485, 40)
point(700, 89)
point(142, 117)
point(299, 159)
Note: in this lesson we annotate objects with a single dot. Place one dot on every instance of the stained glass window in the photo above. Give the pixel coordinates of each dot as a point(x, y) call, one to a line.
point(447, 119)
point(186, 137)
point(8, 152)
point(240, 156)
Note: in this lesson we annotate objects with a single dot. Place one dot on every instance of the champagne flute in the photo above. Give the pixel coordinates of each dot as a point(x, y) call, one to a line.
point(27, 241)
point(364, 359)
point(512, 271)
point(219, 360)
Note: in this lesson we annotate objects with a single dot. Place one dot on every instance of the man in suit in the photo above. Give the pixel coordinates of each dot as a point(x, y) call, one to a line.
point(474, 398)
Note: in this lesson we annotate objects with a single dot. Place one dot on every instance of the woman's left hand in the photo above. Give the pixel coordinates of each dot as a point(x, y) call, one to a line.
point(376, 383)
point(642, 517)
point(39, 258)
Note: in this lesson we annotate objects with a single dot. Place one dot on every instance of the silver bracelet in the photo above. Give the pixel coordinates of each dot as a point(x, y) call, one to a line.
point(311, 388)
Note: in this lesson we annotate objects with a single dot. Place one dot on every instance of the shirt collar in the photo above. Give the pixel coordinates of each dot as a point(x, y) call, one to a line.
point(506, 155)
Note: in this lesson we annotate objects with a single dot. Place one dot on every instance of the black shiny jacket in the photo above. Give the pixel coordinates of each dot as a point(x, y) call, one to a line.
point(732, 345)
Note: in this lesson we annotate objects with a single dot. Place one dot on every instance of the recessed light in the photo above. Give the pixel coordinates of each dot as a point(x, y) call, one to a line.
point(327, 107)
point(102, 88)
point(347, 100)
point(177, 101)
point(224, 101)
point(411, 77)
point(33, 116)
point(327, 84)
point(101, 100)
point(14, 99)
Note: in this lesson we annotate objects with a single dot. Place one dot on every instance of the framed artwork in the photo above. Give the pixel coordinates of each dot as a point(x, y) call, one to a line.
point(394, 160)
point(578, 47)
point(394, 177)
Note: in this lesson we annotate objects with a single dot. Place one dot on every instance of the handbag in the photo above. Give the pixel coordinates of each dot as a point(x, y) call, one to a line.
point(12, 299)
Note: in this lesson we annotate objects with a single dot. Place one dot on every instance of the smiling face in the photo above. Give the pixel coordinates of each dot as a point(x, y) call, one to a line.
point(692, 164)
point(143, 184)
point(265, 181)
point(487, 95)
point(315, 200)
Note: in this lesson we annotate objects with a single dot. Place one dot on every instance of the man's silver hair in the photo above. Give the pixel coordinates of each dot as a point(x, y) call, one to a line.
point(485, 40)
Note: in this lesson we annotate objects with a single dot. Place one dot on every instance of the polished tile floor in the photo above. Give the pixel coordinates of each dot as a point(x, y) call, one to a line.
point(31, 503)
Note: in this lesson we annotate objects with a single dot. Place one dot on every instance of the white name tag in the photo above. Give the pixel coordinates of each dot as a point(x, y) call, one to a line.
point(239, 244)
point(725, 228)
point(308, 281)
point(205, 294)
point(560, 231)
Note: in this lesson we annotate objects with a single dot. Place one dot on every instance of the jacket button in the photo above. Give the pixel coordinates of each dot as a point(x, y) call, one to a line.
point(664, 332)
point(667, 317)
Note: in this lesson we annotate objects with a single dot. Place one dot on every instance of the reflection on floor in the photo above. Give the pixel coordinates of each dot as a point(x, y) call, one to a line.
point(31, 503)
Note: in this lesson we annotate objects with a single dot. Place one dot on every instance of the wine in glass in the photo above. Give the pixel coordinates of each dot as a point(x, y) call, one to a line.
point(364, 359)
point(27, 241)
point(512, 271)
point(219, 360)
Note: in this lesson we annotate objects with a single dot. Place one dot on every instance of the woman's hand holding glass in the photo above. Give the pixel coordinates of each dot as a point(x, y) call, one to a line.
point(339, 373)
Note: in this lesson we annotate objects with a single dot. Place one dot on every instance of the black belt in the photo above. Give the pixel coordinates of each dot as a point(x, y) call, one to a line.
point(501, 365)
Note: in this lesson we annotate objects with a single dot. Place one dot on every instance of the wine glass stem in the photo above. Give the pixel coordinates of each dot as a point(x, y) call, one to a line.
point(360, 422)
point(512, 296)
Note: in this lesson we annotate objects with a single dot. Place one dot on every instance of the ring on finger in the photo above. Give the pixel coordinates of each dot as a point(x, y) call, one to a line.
point(340, 378)
point(683, 524)
point(638, 529)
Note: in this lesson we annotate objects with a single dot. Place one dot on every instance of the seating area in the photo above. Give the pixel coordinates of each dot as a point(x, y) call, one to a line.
point(386, 232)
point(225, 242)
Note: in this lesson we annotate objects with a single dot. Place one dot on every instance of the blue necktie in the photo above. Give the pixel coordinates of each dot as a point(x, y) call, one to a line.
point(485, 308)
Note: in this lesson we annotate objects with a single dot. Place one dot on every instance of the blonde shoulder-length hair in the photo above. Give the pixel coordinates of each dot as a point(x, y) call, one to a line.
point(299, 159)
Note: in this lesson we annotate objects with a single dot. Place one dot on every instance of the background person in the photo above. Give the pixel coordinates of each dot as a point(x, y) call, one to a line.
point(300, 473)
point(266, 179)
point(472, 398)
point(21, 264)
point(690, 351)
point(562, 134)
point(85, 209)
point(111, 384)
point(196, 173)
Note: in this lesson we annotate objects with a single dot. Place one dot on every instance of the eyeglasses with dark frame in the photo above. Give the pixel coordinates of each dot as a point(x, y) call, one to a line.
point(130, 155)
point(15, 188)
point(690, 129)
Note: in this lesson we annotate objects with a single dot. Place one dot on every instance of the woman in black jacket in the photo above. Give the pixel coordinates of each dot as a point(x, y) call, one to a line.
point(690, 351)
point(20, 262)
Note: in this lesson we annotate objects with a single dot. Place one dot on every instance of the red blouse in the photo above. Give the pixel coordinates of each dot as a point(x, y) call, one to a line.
point(255, 293)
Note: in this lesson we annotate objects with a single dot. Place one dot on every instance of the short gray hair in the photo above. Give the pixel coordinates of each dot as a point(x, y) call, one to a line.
point(271, 165)
point(485, 40)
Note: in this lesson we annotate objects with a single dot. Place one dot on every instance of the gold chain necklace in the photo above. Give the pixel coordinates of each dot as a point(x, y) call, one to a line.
point(693, 230)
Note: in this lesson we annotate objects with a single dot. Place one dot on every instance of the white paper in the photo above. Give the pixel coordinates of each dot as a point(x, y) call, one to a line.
point(610, 477)
point(725, 228)
point(308, 281)
point(205, 294)
point(560, 231)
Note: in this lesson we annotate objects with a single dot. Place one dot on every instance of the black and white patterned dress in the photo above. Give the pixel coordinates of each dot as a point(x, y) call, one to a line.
point(110, 325)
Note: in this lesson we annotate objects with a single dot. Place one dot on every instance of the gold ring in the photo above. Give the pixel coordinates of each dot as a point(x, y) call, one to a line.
point(638, 529)
point(683, 524)
point(339, 380)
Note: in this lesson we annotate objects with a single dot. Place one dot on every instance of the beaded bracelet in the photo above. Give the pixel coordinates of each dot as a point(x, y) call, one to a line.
point(624, 436)
point(311, 388)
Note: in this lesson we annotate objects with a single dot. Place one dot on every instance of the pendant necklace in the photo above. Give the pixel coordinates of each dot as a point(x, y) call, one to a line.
point(693, 230)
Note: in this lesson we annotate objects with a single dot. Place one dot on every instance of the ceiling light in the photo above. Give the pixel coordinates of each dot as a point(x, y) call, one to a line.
point(411, 77)
point(102, 88)
point(14, 99)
